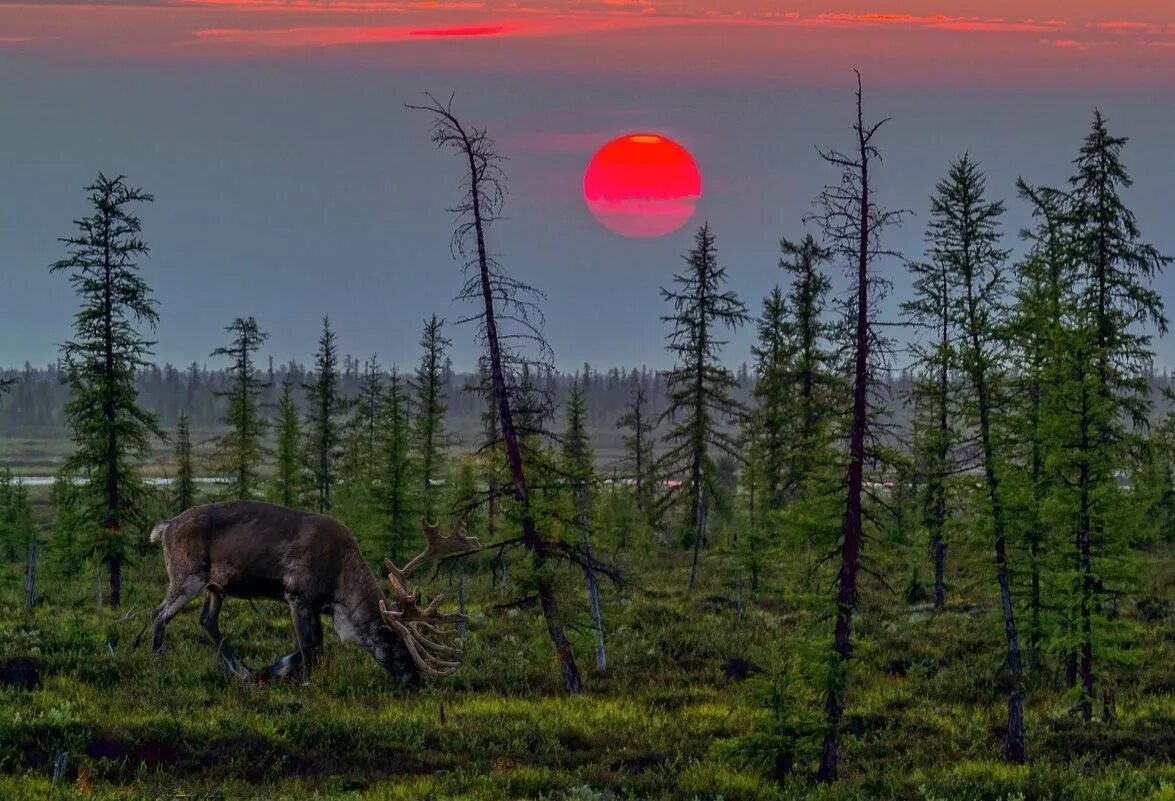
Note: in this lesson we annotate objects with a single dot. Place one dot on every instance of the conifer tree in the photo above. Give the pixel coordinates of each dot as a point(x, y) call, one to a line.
point(1111, 356)
point(110, 428)
point(393, 490)
point(579, 469)
point(638, 447)
point(931, 311)
point(699, 387)
point(429, 425)
point(184, 489)
point(325, 400)
point(809, 365)
point(1043, 300)
point(359, 465)
point(964, 235)
point(288, 483)
point(240, 451)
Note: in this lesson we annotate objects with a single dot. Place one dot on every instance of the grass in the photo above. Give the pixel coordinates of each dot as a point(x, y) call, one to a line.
point(924, 715)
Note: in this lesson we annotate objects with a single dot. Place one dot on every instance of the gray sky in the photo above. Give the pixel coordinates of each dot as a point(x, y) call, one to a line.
point(291, 182)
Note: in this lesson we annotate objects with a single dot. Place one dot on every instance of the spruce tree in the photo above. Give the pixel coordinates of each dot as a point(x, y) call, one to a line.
point(111, 430)
point(637, 424)
point(325, 400)
point(288, 483)
point(431, 403)
point(699, 387)
point(1115, 302)
point(393, 491)
point(579, 469)
point(184, 488)
point(360, 462)
point(239, 452)
point(810, 366)
point(933, 391)
point(965, 237)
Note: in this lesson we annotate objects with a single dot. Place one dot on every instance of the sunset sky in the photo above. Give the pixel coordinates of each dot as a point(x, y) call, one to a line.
point(291, 182)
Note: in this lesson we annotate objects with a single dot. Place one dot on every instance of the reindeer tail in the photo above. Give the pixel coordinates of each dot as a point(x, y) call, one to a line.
point(159, 530)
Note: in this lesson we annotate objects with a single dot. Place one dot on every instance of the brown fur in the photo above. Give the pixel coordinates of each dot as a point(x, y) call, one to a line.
point(250, 549)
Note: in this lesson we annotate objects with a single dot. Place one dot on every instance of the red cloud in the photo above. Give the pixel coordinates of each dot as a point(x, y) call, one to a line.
point(471, 30)
point(940, 21)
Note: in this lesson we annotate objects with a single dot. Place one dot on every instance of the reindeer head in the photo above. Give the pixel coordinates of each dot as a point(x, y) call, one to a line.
point(427, 633)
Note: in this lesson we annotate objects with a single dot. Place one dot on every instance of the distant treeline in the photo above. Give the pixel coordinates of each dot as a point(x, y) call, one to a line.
point(35, 405)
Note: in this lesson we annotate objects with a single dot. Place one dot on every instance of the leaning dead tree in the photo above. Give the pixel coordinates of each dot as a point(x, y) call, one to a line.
point(852, 224)
point(509, 320)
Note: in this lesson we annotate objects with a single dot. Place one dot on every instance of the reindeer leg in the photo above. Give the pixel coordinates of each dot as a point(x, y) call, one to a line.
point(177, 598)
point(210, 620)
point(308, 629)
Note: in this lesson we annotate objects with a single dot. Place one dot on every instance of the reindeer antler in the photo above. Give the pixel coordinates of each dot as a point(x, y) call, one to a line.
point(430, 644)
point(438, 545)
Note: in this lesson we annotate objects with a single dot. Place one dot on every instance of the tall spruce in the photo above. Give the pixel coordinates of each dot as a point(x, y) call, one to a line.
point(1116, 301)
point(240, 450)
point(699, 387)
point(431, 403)
point(579, 469)
point(111, 430)
point(1043, 303)
point(289, 480)
point(964, 238)
point(184, 487)
point(325, 401)
point(852, 223)
point(393, 490)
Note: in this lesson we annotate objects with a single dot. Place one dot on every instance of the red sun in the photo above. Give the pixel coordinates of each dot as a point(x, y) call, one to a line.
point(642, 185)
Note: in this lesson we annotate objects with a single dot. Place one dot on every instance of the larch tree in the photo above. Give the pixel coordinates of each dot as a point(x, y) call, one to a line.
point(507, 315)
point(184, 487)
point(111, 430)
point(240, 450)
point(852, 223)
point(699, 387)
point(429, 426)
point(326, 403)
point(964, 235)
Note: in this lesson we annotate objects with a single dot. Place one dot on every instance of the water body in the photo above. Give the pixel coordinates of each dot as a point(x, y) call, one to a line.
point(153, 481)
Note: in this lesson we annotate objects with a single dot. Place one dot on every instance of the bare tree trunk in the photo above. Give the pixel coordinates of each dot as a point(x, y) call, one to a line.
point(853, 527)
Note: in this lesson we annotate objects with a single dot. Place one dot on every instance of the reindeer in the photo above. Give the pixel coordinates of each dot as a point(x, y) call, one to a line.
point(249, 549)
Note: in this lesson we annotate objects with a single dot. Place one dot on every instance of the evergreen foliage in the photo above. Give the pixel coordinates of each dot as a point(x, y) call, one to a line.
point(111, 429)
point(324, 437)
point(699, 387)
point(240, 450)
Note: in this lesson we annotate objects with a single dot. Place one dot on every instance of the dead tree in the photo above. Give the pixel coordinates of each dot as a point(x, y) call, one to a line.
point(852, 224)
point(508, 319)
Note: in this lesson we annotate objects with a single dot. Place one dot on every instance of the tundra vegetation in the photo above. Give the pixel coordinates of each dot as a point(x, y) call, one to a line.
point(926, 558)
